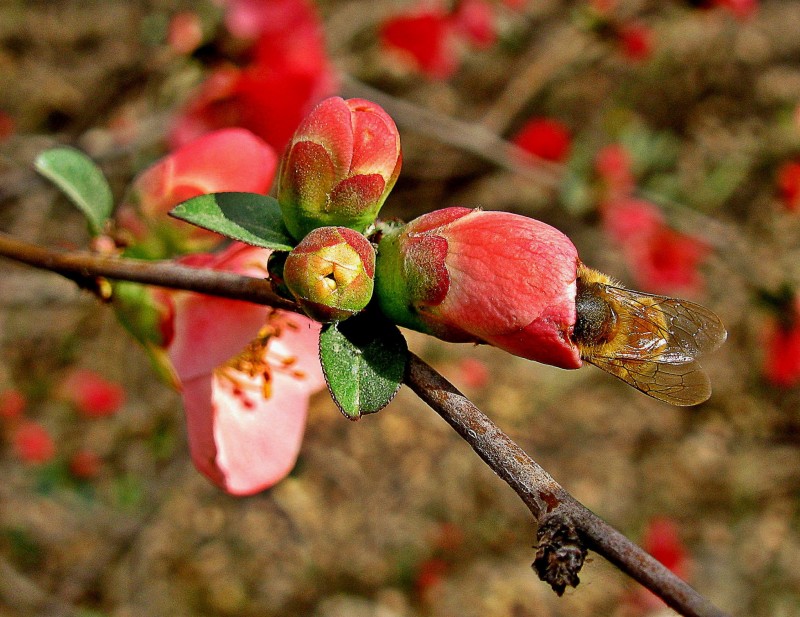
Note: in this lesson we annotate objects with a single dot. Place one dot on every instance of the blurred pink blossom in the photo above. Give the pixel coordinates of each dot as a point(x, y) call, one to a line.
point(660, 259)
point(33, 443)
point(286, 73)
point(185, 32)
point(92, 395)
point(474, 20)
point(614, 166)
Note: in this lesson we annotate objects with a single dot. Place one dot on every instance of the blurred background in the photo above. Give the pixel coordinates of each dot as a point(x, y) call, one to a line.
point(662, 137)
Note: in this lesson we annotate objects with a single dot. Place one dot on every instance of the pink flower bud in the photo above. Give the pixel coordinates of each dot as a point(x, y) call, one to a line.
point(488, 277)
point(331, 273)
point(339, 167)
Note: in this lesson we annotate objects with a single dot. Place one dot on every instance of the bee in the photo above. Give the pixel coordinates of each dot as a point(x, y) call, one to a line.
point(650, 342)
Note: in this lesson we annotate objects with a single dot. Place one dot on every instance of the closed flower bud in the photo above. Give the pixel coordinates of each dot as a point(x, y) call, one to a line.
point(488, 277)
point(331, 273)
point(339, 167)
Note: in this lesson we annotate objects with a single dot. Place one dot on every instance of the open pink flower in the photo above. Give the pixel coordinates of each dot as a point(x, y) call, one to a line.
point(247, 373)
point(492, 277)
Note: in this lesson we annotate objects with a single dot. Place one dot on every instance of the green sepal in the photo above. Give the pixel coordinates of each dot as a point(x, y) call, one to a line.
point(81, 180)
point(138, 313)
point(364, 360)
point(248, 217)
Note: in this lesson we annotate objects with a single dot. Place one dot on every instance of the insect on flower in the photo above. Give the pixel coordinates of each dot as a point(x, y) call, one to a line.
point(650, 342)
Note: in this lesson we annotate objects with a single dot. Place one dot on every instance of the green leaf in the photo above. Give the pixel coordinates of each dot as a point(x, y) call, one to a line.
point(77, 176)
point(363, 360)
point(249, 217)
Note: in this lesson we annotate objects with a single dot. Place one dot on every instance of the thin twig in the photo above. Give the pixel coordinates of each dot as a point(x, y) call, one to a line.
point(566, 527)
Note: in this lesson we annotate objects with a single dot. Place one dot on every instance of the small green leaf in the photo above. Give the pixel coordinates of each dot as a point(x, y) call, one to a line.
point(364, 360)
point(77, 176)
point(249, 217)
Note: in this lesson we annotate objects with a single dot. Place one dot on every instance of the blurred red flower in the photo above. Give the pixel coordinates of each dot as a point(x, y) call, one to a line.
point(789, 184)
point(660, 259)
point(92, 394)
point(782, 347)
point(12, 404)
point(85, 465)
point(475, 21)
point(742, 9)
point(425, 39)
point(287, 72)
point(546, 138)
point(662, 539)
point(33, 443)
point(636, 41)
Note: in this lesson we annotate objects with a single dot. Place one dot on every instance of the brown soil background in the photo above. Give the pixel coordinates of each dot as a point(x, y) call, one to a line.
point(370, 502)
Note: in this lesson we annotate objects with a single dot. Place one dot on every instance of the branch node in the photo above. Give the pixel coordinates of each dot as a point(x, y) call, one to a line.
point(560, 553)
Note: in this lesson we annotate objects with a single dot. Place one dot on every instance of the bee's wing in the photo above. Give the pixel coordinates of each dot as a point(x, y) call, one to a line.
point(666, 330)
point(678, 384)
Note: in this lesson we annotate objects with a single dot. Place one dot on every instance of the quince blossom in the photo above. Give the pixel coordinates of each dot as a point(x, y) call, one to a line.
point(246, 373)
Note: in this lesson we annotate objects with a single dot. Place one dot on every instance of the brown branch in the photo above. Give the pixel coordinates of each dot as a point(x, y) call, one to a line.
point(565, 525)
point(566, 528)
point(84, 268)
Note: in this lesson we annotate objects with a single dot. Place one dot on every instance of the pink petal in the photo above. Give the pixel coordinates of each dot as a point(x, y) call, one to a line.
point(209, 331)
point(241, 441)
point(225, 160)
